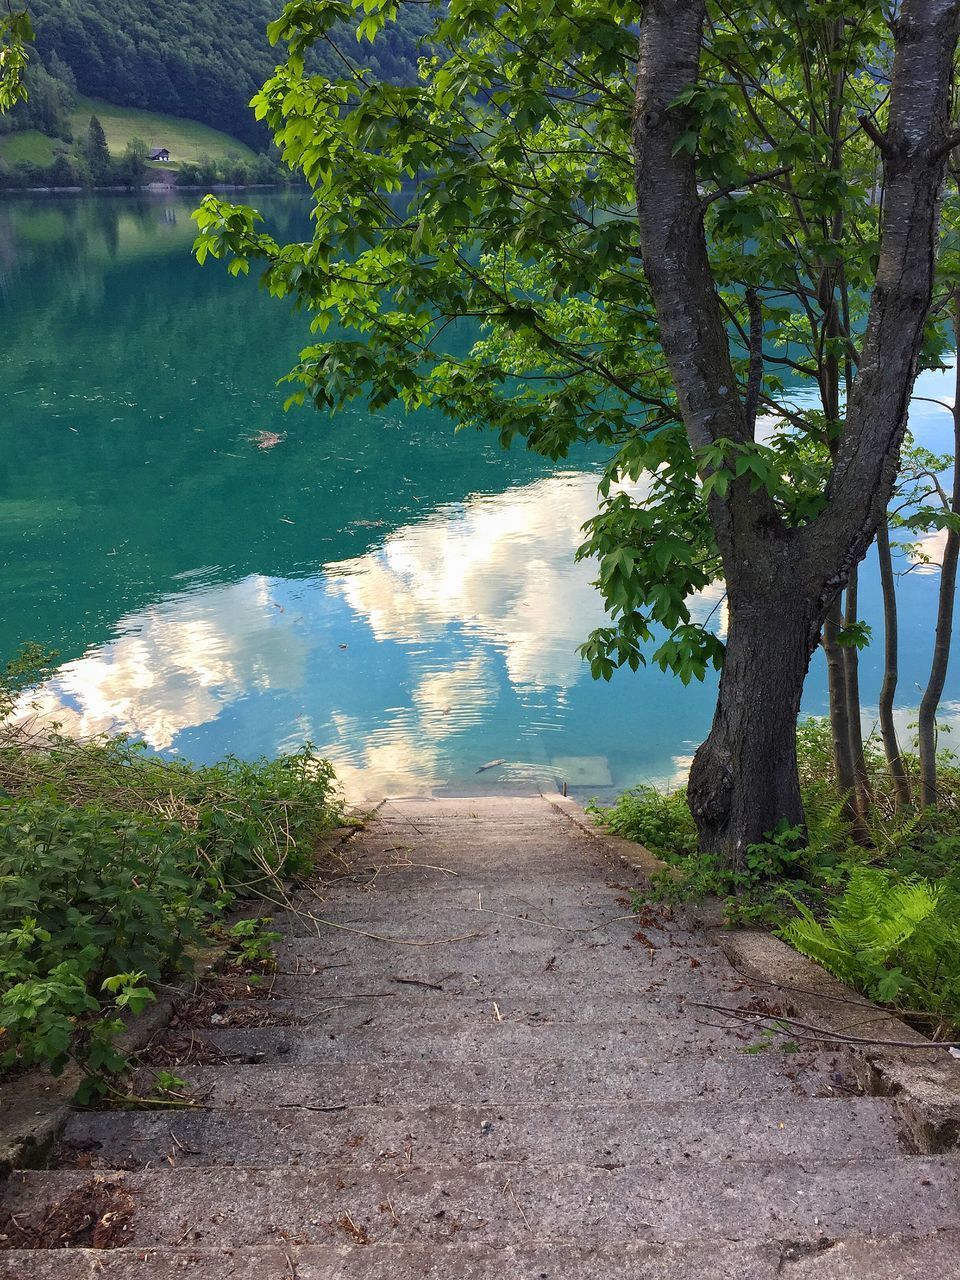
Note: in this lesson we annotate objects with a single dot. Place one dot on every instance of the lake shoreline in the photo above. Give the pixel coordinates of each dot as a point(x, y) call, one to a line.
point(152, 188)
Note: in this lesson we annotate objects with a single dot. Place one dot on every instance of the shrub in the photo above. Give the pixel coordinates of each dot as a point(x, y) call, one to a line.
point(112, 865)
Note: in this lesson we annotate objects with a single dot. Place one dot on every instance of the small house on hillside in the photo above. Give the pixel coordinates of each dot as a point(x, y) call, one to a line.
point(159, 153)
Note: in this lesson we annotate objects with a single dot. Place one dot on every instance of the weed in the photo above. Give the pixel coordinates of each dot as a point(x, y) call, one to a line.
point(113, 866)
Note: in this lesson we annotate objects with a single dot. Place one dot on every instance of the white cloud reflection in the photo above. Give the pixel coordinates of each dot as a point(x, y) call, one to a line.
point(480, 588)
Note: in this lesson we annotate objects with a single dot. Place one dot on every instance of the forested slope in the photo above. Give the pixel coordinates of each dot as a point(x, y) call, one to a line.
point(203, 59)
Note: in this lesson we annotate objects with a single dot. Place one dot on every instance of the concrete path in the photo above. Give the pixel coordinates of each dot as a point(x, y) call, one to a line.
point(484, 1064)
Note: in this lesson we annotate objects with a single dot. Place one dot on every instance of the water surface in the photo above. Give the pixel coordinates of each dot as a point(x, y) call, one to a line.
point(218, 576)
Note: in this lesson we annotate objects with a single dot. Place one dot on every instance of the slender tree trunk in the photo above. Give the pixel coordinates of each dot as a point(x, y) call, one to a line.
point(837, 685)
point(927, 721)
point(851, 676)
point(891, 671)
point(743, 780)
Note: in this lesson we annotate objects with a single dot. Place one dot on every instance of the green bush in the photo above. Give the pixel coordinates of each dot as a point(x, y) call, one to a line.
point(113, 863)
point(660, 820)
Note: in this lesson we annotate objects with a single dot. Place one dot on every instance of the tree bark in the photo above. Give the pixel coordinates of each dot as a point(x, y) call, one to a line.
point(744, 777)
point(851, 678)
point(943, 636)
point(743, 780)
point(839, 705)
point(891, 671)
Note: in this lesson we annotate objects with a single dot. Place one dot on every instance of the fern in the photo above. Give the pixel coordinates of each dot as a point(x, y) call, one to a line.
point(893, 938)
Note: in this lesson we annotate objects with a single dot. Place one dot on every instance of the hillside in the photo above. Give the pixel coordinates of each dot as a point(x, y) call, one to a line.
point(198, 59)
point(60, 155)
point(186, 140)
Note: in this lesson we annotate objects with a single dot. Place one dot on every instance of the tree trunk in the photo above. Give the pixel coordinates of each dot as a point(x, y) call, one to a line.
point(843, 761)
point(851, 676)
point(837, 685)
point(891, 671)
point(927, 720)
point(743, 780)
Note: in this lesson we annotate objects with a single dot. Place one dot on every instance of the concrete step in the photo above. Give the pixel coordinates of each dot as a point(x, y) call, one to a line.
point(853, 1259)
point(456, 912)
point(557, 976)
point(588, 1077)
point(600, 1134)
point(718, 1260)
point(392, 1015)
point(507, 1204)
point(606, 1042)
point(424, 949)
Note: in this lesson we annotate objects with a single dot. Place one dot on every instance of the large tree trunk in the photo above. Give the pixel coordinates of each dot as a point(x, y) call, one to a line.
point(743, 781)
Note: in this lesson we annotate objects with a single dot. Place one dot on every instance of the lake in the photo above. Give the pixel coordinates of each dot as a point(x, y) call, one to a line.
point(220, 577)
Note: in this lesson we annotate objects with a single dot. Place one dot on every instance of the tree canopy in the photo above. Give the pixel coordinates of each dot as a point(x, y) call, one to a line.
point(477, 247)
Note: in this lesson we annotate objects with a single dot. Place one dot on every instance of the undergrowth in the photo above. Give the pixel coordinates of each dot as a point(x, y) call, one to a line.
point(115, 865)
point(883, 916)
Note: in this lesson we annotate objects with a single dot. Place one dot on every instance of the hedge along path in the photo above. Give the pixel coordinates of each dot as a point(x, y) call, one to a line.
point(475, 1060)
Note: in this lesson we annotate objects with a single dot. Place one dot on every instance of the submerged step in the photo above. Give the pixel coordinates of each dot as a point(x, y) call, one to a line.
point(599, 1134)
point(506, 1204)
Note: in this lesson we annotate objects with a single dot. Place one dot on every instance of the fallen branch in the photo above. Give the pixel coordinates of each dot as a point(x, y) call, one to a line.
point(821, 1033)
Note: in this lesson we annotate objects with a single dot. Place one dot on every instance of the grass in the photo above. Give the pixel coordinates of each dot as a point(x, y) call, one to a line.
point(184, 139)
point(31, 147)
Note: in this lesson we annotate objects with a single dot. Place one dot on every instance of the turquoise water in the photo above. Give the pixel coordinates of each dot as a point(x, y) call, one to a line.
point(218, 576)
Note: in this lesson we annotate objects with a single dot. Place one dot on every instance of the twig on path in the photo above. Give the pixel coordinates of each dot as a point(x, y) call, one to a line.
point(389, 804)
point(803, 991)
point(365, 933)
point(309, 1106)
point(820, 1033)
point(417, 982)
point(508, 1186)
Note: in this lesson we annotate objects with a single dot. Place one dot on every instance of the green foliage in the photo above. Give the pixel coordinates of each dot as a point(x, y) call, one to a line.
point(475, 248)
point(47, 101)
point(885, 918)
point(660, 820)
point(16, 33)
point(895, 938)
point(252, 942)
point(114, 863)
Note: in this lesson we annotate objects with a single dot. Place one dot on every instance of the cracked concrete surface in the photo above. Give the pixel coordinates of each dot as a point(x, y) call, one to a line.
point(483, 1063)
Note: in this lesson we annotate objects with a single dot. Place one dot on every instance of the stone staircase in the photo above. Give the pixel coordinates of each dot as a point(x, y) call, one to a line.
point(477, 1061)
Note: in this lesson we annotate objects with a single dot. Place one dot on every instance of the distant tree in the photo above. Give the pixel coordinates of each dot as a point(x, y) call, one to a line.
point(63, 172)
point(128, 170)
point(63, 74)
point(137, 150)
point(97, 151)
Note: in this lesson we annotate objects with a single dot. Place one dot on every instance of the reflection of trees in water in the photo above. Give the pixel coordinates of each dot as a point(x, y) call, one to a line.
point(47, 238)
point(135, 386)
